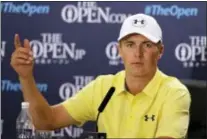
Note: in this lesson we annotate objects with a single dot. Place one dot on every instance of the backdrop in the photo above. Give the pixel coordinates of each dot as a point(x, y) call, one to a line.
point(73, 42)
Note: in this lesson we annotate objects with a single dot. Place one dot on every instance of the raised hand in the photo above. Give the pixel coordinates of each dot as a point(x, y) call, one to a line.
point(22, 58)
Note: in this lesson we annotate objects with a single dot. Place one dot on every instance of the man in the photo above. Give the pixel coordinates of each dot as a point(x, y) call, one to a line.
point(146, 103)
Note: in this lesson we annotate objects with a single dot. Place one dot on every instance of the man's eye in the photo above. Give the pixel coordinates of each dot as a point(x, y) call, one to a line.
point(129, 45)
point(148, 45)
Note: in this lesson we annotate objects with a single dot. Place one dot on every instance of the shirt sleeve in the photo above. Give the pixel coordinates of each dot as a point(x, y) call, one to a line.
point(174, 119)
point(81, 106)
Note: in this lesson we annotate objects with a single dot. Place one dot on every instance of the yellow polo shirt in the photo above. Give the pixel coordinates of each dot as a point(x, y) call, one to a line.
point(161, 109)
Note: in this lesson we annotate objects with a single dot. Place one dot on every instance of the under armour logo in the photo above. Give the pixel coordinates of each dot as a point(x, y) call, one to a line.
point(149, 118)
point(139, 22)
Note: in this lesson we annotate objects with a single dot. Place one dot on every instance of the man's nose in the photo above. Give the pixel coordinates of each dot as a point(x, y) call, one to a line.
point(138, 51)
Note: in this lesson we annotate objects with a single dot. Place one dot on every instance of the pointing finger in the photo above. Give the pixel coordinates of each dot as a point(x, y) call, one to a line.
point(17, 42)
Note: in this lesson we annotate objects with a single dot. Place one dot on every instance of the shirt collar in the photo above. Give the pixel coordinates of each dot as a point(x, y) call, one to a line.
point(119, 82)
point(153, 86)
point(150, 89)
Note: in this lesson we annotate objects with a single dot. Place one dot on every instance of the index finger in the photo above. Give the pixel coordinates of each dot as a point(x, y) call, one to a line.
point(17, 42)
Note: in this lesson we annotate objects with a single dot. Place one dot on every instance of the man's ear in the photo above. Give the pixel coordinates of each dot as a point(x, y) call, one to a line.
point(161, 51)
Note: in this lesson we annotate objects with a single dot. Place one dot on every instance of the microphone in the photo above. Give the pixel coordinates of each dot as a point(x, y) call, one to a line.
point(104, 103)
point(96, 134)
point(106, 99)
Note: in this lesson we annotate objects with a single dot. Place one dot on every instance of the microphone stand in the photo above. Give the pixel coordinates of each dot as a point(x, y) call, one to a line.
point(96, 130)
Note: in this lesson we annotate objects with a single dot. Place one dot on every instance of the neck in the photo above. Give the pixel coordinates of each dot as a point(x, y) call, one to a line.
point(135, 84)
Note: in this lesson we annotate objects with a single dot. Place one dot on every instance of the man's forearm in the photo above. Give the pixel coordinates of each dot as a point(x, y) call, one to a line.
point(40, 110)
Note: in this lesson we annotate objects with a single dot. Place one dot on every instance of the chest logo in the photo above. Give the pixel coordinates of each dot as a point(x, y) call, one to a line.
point(149, 118)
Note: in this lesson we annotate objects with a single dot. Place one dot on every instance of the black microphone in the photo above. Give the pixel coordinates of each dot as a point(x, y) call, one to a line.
point(104, 103)
point(96, 134)
point(106, 99)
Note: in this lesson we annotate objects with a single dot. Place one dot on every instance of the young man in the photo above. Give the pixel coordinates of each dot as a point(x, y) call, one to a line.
point(146, 102)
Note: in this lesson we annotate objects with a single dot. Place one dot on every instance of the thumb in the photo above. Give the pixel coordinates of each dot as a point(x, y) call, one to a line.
point(17, 42)
point(26, 44)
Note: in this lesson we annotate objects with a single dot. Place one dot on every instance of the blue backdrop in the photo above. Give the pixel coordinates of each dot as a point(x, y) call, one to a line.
point(73, 42)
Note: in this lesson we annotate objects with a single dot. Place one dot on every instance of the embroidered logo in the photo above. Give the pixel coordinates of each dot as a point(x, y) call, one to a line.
point(147, 118)
point(139, 22)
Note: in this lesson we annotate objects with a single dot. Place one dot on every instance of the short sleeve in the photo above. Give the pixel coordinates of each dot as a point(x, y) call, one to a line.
point(174, 119)
point(80, 106)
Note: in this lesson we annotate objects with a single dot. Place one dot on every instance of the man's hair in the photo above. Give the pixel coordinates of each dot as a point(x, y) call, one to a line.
point(159, 44)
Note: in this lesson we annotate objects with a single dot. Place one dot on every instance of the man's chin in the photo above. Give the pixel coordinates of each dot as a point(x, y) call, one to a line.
point(138, 73)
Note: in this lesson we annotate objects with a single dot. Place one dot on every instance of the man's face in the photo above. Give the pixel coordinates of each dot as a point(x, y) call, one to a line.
point(139, 54)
